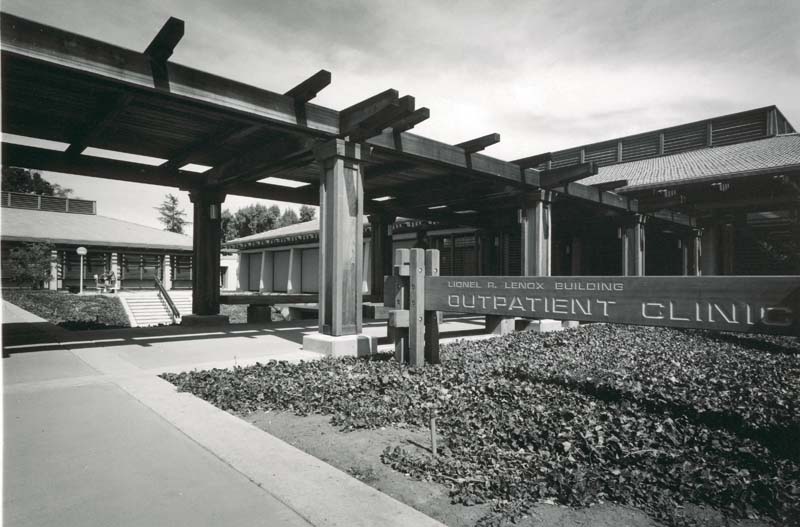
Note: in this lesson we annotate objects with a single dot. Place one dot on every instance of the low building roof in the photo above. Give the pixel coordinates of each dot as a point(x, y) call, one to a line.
point(86, 229)
point(773, 155)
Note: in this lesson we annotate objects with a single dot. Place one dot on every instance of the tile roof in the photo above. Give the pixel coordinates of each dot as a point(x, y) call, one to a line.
point(305, 227)
point(770, 155)
point(86, 229)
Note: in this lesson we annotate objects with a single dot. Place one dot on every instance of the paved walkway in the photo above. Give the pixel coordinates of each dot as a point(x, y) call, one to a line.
point(13, 314)
point(93, 437)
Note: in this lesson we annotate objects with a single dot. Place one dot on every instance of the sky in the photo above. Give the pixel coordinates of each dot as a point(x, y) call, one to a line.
point(546, 75)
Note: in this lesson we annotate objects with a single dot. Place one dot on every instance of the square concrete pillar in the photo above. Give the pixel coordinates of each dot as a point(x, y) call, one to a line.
point(499, 325)
point(293, 282)
point(341, 242)
point(167, 275)
point(266, 283)
point(633, 246)
point(536, 234)
point(52, 283)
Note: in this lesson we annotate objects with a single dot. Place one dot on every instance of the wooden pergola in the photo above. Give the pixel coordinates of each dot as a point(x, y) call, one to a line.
point(68, 88)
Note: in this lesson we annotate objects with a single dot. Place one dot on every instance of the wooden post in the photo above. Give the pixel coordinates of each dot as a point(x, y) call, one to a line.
point(416, 308)
point(432, 317)
point(341, 238)
point(206, 242)
point(380, 252)
point(400, 300)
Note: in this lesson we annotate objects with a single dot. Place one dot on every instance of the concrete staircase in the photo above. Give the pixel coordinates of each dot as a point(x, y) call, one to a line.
point(147, 308)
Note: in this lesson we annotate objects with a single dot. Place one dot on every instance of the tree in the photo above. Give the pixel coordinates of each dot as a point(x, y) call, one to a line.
point(307, 213)
point(289, 217)
point(228, 225)
point(23, 180)
point(28, 264)
point(171, 215)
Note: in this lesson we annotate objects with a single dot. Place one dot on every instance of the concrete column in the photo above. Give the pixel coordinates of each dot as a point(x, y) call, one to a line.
point(727, 244)
point(380, 252)
point(53, 283)
point(691, 252)
point(167, 281)
point(576, 254)
point(536, 235)
point(340, 246)
point(205, 255)
point(633, 246)
point(293, 284)
point(709, 251)
point(537, 249)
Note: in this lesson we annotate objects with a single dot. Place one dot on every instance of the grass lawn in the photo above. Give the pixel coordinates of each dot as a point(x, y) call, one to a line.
point(672, 423)
point(71, 311)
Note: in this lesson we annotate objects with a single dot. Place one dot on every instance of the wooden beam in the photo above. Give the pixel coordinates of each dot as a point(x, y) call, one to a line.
point(610, 185)
point(480, 143)
point(42, 159)
point(209, 145)
point(99, 123)
point(351, 116)
point(385, 169)
point(412, 120)
point(533, 161)
point(560, 176)
point(309, 88)
point(161, 48)
point(163, 44)
point(384, 118)
point(269, 163)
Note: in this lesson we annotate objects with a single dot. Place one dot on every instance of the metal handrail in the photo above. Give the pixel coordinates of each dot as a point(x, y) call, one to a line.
point(176, 315)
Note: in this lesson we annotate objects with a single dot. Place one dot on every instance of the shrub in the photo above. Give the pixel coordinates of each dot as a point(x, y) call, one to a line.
point(28, 264)
point(72, 311)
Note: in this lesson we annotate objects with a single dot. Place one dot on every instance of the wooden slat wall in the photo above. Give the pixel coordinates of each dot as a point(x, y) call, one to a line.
point(605, 154)
point(739, 128)
point(685, 138)
point(640, 147)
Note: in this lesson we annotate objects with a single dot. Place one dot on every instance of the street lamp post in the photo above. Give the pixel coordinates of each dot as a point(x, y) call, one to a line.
point(82, 252)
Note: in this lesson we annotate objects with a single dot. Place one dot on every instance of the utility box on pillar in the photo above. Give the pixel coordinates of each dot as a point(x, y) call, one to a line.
point(341, 245)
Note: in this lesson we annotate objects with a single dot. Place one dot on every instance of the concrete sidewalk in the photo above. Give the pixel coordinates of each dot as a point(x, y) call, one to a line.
point(94, 437)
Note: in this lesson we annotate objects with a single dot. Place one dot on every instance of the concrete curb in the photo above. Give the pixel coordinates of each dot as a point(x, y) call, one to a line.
point(320, 493)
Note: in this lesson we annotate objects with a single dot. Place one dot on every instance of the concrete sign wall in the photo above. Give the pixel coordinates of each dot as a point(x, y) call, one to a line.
point(757, 304)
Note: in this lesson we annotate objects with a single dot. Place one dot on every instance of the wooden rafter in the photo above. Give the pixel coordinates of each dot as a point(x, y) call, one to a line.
point(480, 143)
point(99, 123)
point(610, 185)
point(560, 176)
point(161, 49)
point(533, 161)
point(309, 88)
point(210, 144)
point(407, 123)
point(384, 118)
point(350, 117)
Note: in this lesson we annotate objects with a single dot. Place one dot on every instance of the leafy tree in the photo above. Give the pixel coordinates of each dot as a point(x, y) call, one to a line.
point(228, 225)
point(28, 182)
point(28, 264)
point(171, 215)
point(289, 217)
point(307, 213)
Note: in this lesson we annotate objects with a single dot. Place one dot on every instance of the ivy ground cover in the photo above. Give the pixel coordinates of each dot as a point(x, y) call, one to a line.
point(654, 418)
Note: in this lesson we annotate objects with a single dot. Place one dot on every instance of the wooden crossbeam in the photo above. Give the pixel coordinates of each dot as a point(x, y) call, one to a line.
point(480, 143)
point(99, 123)
point(161, 48)
point(268, 163)
point(209, 145)
point(42, 159)
point(411, 121)
point(533, 161)
point(560, 176)
point(610, 185)
point(351, 116)
point(384, 118)
point(385, 169)
point(309, 88)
